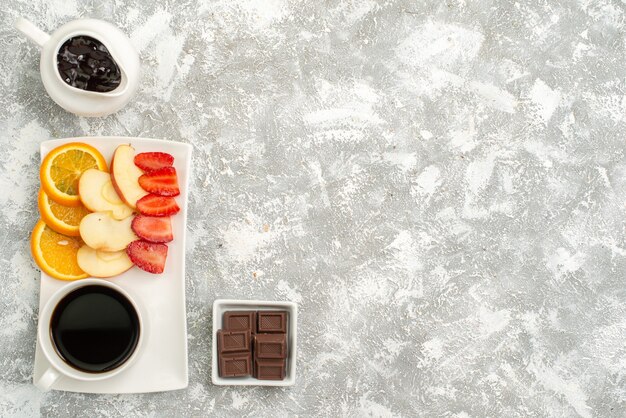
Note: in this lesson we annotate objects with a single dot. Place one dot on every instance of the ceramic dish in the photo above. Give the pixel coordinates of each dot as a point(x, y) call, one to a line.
point(74, 100)
point(162, 363)
point(222, 305)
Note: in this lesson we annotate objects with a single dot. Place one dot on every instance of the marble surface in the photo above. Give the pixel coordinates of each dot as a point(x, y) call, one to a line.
point(440, 185)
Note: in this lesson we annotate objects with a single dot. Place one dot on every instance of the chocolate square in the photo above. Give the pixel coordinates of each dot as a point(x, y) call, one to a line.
point(271, 321)
point(269, 369)
point(270, 346)
point(235, 364)
point(240, 320)
point(233, 341)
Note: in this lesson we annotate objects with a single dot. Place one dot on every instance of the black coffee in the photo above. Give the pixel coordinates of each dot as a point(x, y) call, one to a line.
point(85, 63)
point(95, 329)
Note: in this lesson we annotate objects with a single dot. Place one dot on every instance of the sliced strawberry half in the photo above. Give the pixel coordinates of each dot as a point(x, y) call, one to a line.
point(162, 181)
point(149, 161)
point(153, 205)
point(153, 229)
point(148, 256)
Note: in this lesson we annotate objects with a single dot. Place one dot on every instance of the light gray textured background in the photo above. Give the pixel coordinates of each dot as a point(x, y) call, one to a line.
point(440, 185)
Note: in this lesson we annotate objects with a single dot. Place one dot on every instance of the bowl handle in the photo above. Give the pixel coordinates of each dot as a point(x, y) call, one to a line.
point(33, 32)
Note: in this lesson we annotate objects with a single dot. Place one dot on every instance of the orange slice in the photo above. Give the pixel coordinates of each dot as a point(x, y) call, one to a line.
point(55, 254)
point(62, 219)
point(62, 168)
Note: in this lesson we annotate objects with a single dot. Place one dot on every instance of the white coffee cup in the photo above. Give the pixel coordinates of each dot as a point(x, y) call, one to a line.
point(57, 366)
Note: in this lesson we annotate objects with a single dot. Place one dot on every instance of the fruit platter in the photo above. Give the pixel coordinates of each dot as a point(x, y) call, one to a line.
point(99, 223)
point(115, 208)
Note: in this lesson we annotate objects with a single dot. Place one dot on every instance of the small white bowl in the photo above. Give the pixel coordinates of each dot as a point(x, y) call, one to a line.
point(222, 305)
point(75, 100)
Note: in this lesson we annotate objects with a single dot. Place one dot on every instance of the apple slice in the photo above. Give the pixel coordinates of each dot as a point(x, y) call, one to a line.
point(102, 263)
point(125, 175)
point(98, 194)
point(101, 232)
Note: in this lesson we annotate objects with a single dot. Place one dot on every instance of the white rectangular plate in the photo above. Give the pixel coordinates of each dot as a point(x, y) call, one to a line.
point(162, 363)
point(222, 305)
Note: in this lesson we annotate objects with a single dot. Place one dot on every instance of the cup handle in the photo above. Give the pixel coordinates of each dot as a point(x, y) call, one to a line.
point(47, 379)
point(33, 32)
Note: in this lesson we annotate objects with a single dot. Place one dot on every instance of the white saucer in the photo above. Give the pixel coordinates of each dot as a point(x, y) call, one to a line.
point(162, 363)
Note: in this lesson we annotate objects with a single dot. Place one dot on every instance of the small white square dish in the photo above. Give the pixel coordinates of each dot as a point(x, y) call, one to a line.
point(223, 305)
point(161, 365)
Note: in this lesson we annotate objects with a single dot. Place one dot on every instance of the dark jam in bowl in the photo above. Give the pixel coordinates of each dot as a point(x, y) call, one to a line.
point(86, 64)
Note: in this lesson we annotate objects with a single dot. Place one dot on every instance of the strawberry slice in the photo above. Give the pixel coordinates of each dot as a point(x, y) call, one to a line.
point(153, 205)
point(149, 161)
point(162, 181)
point(148, 256)
point(153, 229)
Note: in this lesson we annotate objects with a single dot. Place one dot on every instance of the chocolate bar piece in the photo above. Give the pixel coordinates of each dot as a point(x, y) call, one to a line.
point(240, 320)
point(235, 364)
point(272, 321)
point(253, 343)
point(233, 341)
point(270, 346)
point(269, 369)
